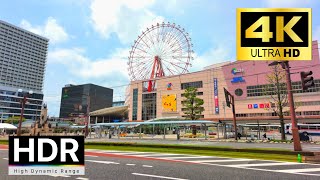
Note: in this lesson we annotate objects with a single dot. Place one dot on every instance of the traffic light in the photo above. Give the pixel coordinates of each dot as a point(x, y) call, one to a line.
point(227, 95)
point(305, 80)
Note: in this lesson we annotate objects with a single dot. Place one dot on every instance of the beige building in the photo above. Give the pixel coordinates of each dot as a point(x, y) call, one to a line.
point(245, 80)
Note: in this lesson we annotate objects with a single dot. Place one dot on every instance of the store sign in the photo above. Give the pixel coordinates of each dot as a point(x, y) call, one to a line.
point(169, 85)
point(216, 99)
point(261, 106)
point(235, 71)
point(237, 79)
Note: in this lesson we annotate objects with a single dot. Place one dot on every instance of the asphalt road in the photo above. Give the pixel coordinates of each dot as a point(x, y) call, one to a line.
point(136, 165)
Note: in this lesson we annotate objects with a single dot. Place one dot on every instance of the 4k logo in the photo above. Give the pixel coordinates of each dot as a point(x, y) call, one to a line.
point(274, 34)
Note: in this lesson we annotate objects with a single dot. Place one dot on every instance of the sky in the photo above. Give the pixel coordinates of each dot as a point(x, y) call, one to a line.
point(90, 40)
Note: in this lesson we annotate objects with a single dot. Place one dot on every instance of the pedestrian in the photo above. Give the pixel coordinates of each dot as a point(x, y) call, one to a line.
point(264, 136)
point(239, 136)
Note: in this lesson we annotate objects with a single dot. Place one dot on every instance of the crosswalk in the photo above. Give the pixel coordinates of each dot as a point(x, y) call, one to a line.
point(241, 163)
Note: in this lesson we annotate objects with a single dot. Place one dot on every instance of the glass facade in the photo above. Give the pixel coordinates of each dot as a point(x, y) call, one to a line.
point(10, 105)
point(135, 104)
point(197, 84)
point(149, 106)
point(260, 90)
point(74, 99)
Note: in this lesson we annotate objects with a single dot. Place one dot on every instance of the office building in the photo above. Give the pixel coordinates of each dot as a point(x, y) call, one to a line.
point(22, 65)
point(76, 99)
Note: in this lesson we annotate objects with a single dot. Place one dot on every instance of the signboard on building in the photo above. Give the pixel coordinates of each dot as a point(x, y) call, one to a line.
point(169, 103)
point(216, 99)
point(261, 106)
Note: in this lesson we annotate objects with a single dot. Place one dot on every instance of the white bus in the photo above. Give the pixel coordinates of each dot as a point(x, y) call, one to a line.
point(310, 129)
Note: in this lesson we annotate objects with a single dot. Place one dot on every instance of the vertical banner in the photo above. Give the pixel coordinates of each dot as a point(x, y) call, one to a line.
point(216, 99)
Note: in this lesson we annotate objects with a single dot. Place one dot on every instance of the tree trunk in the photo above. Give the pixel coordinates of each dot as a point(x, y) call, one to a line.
point(194, 130)
point(283, 135)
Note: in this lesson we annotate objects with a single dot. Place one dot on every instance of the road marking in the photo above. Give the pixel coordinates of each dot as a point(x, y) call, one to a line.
point(102, 162)
point(81, 178)
point(222, 160)
point(146, 166)
point(156, 176)
point(91, 156)
point(299, 170)
point(5, 158)
point(130, 164)
point(262, 164)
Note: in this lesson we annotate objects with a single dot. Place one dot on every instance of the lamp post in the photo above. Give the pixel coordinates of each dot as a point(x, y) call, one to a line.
point(295, 132)
point(23, 103)
point(87, 121)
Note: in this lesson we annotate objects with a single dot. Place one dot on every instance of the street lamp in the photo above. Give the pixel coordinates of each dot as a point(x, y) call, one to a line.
point(295, 131)
point(23, 103)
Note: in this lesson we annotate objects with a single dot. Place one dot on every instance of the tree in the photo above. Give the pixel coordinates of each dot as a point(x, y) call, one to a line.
point(277, 90)
point(192, 106)
point(14, 120)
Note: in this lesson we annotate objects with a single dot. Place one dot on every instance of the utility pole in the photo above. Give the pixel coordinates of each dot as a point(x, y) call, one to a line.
point(295, 131)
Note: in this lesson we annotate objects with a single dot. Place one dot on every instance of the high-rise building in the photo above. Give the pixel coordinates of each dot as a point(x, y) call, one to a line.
point(75, 99)
point(22, 64)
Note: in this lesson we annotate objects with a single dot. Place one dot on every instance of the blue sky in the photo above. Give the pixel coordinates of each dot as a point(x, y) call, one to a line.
point(90, 40)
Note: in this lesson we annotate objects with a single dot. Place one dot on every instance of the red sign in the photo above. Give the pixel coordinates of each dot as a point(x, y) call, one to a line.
point(267, 105)
point(261, 105)
point(249, 106)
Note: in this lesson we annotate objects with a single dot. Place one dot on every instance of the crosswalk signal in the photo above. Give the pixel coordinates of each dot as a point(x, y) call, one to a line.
point(305, 80)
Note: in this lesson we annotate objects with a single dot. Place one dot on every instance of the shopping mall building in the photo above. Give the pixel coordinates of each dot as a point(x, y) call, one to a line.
point(246, 80)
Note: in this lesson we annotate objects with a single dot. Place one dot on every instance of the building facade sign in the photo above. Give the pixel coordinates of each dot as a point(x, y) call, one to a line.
point(235, 71)
point(261, 106)
point(216, 99)
point(237, 79)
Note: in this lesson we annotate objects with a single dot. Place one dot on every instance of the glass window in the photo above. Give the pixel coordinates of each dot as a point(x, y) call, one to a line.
point(134, 104)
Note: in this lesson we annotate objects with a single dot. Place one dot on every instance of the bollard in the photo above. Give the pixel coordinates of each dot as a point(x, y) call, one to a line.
point(299, 158)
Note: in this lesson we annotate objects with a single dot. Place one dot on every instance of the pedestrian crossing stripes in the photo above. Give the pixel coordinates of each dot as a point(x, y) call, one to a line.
point(241, 163)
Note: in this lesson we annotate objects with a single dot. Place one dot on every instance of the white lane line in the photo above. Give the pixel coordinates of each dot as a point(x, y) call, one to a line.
point(5, 158)
point(146, 166)
point(90, 156)
point(81, 178)
point(299, 170)
point(102, 162)
point(187, 157)
point(222, 160)
point(262, 164)
point(156, 176)
point(130, 164)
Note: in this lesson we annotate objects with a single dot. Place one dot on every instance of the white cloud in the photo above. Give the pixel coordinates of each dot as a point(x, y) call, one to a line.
point(51, 30)
point(213, 56)
point(126, 18)
point(81, 66)
point(288, 3)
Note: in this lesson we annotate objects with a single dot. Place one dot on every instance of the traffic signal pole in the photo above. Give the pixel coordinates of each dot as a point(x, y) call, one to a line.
point(295, 132)
point(234, 118)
